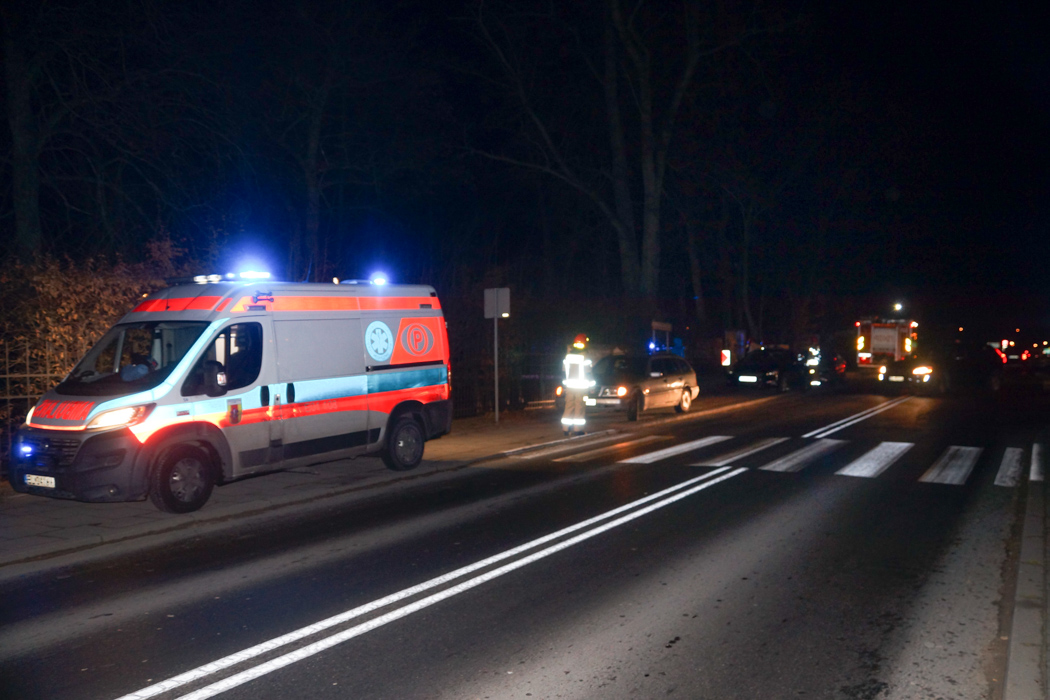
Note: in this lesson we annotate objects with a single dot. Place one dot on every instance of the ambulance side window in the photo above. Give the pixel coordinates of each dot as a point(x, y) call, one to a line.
point(238, 348)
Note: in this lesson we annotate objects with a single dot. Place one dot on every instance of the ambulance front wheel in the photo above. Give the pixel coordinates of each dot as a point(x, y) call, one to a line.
point(182, 480)
point(404, 445)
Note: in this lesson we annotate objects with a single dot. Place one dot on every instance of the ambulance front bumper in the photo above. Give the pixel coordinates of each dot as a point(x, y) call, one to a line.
point(95, 467)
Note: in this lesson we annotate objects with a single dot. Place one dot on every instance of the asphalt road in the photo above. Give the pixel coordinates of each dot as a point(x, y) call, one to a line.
point(838, 545)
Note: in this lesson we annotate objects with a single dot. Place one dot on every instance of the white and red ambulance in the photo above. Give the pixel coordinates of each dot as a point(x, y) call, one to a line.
point(202, 384)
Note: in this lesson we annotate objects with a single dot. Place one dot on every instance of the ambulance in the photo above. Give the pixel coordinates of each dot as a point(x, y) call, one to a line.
point(205, 383)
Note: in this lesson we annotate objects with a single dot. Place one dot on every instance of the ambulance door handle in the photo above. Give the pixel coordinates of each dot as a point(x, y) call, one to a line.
point(264, 395)
point(290, 394)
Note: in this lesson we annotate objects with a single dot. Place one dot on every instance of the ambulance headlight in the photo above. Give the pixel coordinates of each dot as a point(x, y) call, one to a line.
point(121, 417)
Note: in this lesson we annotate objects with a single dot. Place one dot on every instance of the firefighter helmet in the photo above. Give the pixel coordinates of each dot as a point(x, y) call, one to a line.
point(580, 342)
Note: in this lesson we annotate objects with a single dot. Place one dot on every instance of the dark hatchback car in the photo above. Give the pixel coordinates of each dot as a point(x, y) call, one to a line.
point(639, 383)
point(950, 367)
point(824, 368)
point(775, 367)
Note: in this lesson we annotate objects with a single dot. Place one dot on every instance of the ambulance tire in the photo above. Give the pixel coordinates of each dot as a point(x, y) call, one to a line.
point(182, 480)
point(404, 445)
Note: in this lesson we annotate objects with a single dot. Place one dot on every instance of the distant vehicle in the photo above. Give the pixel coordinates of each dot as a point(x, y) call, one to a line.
point(775, 367)
point(952, 367)
point(638, 383)
point(880, 341)
point(824, 368)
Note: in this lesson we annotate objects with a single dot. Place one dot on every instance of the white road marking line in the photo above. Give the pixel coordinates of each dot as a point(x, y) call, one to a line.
point(798, 459)
point(953, 467)
point(855, 418)
point(1037, 471)
point(675, 450)
point(590, 454)
point(882, 408)
point(877, 460)
point(746, 451)
point(278, 642)
point(319, 646)
point(1010, 468)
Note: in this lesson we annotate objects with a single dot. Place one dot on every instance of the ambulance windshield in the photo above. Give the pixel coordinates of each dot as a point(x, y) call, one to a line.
point(132, 357)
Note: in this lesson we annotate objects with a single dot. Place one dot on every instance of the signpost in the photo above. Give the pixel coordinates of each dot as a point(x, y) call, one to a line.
point(497, 306)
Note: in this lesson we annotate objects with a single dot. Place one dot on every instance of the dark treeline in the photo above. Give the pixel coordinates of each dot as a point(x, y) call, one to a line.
point(704, 163)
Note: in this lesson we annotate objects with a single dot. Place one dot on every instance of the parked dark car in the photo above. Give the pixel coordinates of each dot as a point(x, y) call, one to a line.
point(950, 367)
point(824, 368)
point(775, 367)
point(638, 383)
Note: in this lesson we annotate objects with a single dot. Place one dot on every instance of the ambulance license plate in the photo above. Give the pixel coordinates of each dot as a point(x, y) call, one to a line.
point(48, 482)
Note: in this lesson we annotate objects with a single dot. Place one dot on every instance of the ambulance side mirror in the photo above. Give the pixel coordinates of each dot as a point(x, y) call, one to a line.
point(214, 379)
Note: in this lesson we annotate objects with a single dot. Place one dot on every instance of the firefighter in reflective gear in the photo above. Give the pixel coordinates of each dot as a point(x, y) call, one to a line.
point(577, 381)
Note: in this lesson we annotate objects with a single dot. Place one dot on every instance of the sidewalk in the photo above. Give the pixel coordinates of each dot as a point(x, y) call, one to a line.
point(34, 529)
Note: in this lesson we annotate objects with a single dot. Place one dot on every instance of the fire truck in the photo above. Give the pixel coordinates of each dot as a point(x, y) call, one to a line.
point(882, 340)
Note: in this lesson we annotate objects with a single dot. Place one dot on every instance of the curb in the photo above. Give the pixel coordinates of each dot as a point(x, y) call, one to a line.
point(1024, 656)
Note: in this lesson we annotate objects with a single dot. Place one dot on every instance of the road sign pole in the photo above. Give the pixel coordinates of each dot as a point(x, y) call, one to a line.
point(497, 305)
point(495, 360)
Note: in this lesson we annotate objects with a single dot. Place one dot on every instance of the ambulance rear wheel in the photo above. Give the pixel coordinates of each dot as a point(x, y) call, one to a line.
point(404, 445)
point(182, 480)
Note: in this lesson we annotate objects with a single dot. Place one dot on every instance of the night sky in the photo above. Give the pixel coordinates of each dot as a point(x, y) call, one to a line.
point(966, 89)
point(918, 128)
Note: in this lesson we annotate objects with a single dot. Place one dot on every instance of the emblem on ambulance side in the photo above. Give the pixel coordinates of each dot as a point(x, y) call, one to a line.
point(233, 411)
point(417, 339)
point(379, 341)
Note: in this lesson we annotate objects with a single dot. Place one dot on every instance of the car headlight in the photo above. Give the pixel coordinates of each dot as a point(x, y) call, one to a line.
point(132, 415)
point(922, 370)
point(621, 391)
point(882, 370)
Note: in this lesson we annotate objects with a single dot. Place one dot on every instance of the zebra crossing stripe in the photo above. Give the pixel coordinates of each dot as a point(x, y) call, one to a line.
point(798, 459)
point(1036, 473)
point(675, 450)
point(590, 454)
point(1010, 468)
point(953, 467)
point(741, 453)
point(877, 460)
